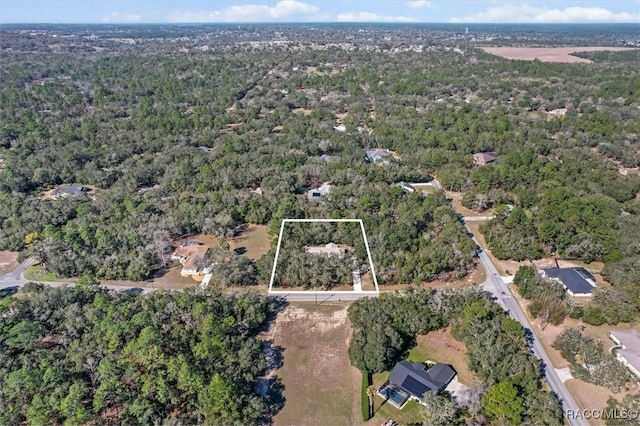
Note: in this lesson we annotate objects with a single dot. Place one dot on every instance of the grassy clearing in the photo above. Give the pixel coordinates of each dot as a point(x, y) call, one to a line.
point(253, 243)
point(320, 385)
point(37, 273)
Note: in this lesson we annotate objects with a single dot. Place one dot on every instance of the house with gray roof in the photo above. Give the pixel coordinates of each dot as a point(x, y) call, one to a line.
point(577, 281)
point(413, 379)
point(377, 155)
point(483, 158)
point(70, 191)
point(628, 350)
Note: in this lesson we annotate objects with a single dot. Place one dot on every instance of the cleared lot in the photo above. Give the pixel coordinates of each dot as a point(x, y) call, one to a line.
point(549, 54)
point(320, 385)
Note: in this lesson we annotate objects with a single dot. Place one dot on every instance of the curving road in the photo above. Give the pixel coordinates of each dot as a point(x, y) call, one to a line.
point(496, 286)
point(15, 279)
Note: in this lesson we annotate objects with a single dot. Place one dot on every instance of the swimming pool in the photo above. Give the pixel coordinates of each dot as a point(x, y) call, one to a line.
point(397, 397)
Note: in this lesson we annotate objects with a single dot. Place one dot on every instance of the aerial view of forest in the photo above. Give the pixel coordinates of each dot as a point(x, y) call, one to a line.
point(123, 147)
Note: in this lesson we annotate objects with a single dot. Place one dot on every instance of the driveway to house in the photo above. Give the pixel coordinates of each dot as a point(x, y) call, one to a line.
point(495, 285)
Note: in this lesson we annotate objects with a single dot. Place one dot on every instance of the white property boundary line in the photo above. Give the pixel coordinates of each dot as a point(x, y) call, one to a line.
point(366, 244)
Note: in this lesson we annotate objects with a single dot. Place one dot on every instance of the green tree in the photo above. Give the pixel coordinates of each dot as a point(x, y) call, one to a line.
point(503, 403)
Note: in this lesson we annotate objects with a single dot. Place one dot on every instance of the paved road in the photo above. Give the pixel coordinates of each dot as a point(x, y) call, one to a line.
point(495, 285)
point(15, 279)
point(324, 297)
point(17, 274)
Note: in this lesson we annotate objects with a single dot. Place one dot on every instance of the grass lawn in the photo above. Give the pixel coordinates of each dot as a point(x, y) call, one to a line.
point(37, 273)
point(252, 243)
point(384, 411)
point(440, 346)
point(320, 385)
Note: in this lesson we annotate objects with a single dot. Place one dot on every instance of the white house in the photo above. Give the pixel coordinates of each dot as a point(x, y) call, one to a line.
point(628, 352)
point(330, 249)
point(321, 191)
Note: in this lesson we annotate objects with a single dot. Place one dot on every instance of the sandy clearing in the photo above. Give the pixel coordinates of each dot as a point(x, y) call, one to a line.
point(320, 385)
point(549, 54)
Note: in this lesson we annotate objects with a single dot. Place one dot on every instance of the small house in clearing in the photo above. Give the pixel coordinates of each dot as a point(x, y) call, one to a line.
point(406, 186)
point(192, 257)
point(628, 351)
point(577, 281)
point(321, 191)
point(412, 380)
point(378, 155)
point(69, 191)
point(483, 158)
point(329, 249)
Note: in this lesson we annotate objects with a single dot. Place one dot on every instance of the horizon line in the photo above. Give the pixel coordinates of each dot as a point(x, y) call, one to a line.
point(321, 22)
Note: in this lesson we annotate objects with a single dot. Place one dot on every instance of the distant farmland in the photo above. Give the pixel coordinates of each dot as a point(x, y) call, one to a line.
point(549, 54)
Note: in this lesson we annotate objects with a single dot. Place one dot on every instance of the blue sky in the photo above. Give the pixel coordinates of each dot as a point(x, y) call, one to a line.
point(166, 11)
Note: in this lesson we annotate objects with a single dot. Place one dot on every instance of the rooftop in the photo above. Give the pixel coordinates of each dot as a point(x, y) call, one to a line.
point(413, 377)
point(630, 341)
point(74, 189)
point(331, 248)
point(577, 281)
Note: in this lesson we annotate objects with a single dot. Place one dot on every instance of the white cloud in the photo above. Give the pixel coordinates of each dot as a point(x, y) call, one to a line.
point(121, 17)
point(371, 17)
point(523, 12)
point(419, 4)
point(283, 10)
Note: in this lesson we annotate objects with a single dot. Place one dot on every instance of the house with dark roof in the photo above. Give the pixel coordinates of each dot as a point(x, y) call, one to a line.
point(577, 281)
point(70, 191)
point(482, 158)
point(412, 380)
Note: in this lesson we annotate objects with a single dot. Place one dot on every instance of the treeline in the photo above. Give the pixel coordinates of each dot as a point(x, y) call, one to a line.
point(511, 389)
point(590, 362)
point(268, 115)
point(80, 355)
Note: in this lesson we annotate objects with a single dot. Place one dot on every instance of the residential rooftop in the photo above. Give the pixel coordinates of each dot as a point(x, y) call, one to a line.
point(577, 281)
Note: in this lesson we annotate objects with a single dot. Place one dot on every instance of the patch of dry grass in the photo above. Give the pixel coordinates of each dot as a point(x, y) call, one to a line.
point(254, 242)
point(549, 54)
point(8, 261)
point(320, 385)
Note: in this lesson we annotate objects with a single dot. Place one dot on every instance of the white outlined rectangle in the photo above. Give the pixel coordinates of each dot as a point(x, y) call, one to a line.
point(275, 260)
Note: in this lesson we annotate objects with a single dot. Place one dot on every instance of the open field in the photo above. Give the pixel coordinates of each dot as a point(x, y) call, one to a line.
point(549, 54)
point(8, 261)
point(252, 243)
point(320, 385)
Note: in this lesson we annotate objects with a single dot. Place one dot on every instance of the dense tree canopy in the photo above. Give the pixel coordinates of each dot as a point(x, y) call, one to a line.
point(83, 355)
